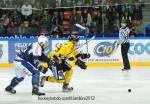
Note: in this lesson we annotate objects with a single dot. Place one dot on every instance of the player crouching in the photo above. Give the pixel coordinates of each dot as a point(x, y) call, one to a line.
point(61, 68)
point(27, 62)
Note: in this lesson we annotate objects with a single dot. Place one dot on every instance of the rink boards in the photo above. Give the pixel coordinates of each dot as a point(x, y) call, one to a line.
point(99, 48)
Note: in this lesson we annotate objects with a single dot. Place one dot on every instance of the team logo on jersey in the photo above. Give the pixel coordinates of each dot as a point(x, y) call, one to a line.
point(1, 51)
point(104, 49)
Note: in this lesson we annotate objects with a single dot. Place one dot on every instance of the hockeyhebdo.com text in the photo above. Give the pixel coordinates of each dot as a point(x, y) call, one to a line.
point(50, 98)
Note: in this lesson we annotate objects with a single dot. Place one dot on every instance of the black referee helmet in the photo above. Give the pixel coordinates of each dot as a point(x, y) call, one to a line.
point(123, 23)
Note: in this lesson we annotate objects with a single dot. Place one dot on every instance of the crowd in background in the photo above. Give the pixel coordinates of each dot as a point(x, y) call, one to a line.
point(58, 22)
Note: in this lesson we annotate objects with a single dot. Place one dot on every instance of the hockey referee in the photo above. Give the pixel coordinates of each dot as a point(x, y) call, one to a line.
point(125, 44)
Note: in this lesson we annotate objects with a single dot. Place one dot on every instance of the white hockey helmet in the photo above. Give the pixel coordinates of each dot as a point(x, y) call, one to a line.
point(43, 39)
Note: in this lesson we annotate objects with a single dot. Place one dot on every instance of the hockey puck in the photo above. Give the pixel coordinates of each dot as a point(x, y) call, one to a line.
point(129, 90)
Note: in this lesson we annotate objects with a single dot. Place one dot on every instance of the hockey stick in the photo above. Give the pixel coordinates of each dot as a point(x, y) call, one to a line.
point(87, 46)
point(80, 26)
point(83, 28)
point(81, 45)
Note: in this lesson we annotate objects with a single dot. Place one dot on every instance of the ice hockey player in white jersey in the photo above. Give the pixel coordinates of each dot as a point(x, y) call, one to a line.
point(27, 62)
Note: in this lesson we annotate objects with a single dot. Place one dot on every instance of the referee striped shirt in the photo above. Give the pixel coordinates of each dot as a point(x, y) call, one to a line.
point(123, 35)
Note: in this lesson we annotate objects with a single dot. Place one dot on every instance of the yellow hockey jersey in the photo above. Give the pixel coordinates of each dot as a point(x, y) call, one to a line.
point(66, 50)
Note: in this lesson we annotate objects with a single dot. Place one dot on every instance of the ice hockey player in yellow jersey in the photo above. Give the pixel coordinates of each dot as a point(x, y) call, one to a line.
point(61, 68)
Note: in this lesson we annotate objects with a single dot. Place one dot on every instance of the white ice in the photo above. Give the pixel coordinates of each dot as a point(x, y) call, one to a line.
point(106, 85)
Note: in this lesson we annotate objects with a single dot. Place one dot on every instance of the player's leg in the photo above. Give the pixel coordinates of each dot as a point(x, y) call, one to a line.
point(16, 80)
point(35, 77)
point(66, 81)
point(68, 75)
point(49, 79)
point(58, 76)
point(35, 83)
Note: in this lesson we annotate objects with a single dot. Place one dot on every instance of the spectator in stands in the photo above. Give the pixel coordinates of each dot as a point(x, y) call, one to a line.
point(1, 11)
point(73, 19)
point(115, 28)
point(139, 29)
point(6, 22)
point(52, 3)
point(78, 18)
point(24, 28)
point(116, 23)
point(33, 1)
point(35, 28)
point(117, 9)
point(56, 19)
point(142, 3)
point(64, 3)
point(117, 18)
point(126, 8)
point(10, 3)
point(137, 12)
point(87, 2)
point(69, 3)
point(87, 19)
point(1, 22)
point(133, 33)
point(57, 32)
point(110, 17)
point(97, 21)
point(107, 2)
point(26, 11)
point(96, 2)
point(50, 22)
point(58, 3)
point(78, 2)
point(15, 18)
point(45, 22)
point(46, 18)
point(38, 5)
point(1, 26)
point(12, 29)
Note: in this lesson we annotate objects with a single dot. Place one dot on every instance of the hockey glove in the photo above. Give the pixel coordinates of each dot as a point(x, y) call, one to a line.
point(84, 55)
point(81, 64)
point(52, 62)
point(42, 69)
point(71, 58)
point(39, 67)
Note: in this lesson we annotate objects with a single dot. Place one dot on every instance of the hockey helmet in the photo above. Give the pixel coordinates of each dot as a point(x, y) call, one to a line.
point(43, 39)
point(74, 38)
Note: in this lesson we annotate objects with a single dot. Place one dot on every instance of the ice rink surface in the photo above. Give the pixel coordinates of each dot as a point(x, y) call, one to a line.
point(102, 85)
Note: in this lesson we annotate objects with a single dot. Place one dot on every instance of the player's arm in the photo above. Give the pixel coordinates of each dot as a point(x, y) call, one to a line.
point(83, 55)
point(55, 58)
point(38, 53)
point(76, 58)
point(77, 61)
point(38, 57)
